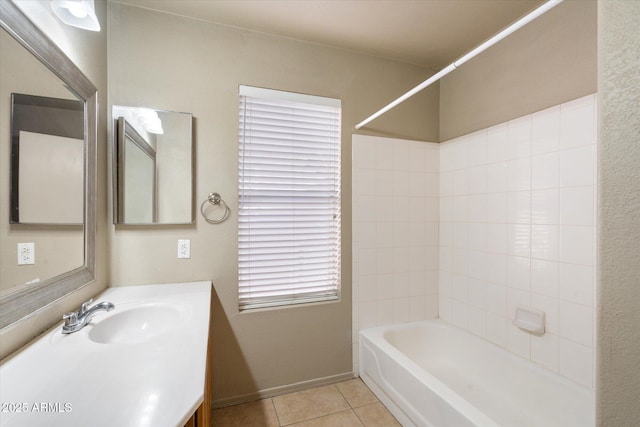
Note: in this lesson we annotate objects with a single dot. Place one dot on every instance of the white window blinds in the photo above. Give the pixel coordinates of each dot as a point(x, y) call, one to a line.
point(289, 198)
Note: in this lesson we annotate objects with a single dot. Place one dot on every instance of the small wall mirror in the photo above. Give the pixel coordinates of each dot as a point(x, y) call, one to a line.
point(152, 166)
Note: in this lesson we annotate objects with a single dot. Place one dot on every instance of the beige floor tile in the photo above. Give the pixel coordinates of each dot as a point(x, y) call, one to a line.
point(356, 392)
point(304, 405)
point(376, 415)
point(259, 414)
point(345, 418)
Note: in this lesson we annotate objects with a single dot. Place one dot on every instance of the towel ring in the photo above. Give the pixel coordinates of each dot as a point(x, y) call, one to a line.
point(215, 199)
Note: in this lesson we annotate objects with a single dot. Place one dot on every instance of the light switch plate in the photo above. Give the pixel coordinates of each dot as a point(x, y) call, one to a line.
point(26, 253)
point(184, 248)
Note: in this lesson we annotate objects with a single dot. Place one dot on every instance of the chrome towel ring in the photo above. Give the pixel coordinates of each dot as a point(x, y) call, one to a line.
point(215, 199)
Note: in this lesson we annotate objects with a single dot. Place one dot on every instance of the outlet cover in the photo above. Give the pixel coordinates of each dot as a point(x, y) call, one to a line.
point(184, 248)
point(26, 253)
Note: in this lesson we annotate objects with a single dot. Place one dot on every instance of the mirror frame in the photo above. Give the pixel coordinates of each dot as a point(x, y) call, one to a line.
point(25, 302)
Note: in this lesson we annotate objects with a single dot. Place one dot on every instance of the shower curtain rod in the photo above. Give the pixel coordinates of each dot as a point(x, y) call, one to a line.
point(457, 63)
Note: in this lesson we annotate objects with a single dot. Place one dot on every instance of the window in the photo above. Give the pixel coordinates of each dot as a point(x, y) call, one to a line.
point(289, 198)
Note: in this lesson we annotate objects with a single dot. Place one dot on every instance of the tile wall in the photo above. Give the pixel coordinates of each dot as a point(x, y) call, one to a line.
point(395, 232)
point(517, 227)
point(512, 210)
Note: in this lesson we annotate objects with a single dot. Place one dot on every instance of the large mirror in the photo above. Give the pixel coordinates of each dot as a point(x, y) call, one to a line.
point(47, 170)
point(152, 166)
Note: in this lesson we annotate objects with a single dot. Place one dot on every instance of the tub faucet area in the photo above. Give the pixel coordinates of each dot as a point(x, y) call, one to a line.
point(77, 320)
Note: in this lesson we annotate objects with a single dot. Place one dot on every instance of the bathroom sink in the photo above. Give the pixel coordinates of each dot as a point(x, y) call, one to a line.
point(155, 341)
point(136, 324)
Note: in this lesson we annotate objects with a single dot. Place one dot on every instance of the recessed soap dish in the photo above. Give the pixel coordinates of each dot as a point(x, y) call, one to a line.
point(530, 320)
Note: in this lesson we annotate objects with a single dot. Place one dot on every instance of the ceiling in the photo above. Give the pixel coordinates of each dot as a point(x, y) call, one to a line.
point(429, 33)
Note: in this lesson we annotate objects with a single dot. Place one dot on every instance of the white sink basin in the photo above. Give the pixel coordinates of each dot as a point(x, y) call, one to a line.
point(136, 324)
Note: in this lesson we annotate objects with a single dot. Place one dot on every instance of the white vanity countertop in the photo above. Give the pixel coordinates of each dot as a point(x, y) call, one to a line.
point(138, 379)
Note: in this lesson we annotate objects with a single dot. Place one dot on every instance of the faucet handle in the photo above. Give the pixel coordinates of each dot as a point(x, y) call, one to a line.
point(70, 318)
point(85, 305)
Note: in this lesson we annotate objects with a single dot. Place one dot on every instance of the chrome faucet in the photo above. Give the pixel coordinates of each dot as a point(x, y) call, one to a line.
point(77, 320)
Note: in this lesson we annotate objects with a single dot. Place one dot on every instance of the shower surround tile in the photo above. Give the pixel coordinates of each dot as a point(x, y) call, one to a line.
point(396, 222)
point(471, 228)
point(539, 230)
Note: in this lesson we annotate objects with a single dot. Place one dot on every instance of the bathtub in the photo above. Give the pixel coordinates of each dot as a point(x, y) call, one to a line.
point(433, 374)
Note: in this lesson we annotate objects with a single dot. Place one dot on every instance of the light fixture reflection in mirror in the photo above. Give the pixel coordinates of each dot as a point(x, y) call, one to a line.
point(152, 166)
point(77, 13)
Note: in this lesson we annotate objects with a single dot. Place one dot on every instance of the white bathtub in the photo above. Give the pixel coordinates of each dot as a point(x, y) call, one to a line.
point(432, 374)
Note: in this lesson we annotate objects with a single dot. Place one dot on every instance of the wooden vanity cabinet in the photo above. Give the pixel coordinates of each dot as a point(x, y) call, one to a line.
point(202, 416)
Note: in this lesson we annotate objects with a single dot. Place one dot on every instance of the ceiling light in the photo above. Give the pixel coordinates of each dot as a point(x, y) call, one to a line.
point(77, 13)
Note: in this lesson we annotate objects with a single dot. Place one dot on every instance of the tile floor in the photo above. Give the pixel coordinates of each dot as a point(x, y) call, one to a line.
point(345, 404)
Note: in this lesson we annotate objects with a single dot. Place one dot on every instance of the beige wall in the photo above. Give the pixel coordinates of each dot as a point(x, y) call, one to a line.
point(550, 61)
point(618, 373)
point(89, 51)
point(167, 62)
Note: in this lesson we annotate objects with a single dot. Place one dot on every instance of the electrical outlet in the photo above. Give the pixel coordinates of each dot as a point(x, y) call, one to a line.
point(184, 248)
point(26, 253)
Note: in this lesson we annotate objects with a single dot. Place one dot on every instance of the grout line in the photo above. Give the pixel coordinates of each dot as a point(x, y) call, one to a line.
point(343, 396)
point(358, 417)
point(319, 416)
point(273, 404)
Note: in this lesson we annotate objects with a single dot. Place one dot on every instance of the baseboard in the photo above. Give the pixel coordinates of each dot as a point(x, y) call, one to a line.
point(276, 391)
